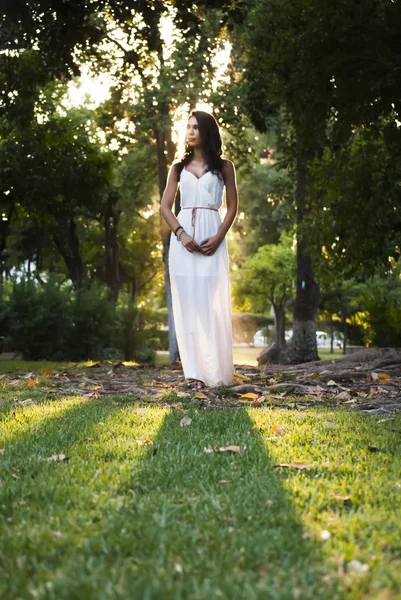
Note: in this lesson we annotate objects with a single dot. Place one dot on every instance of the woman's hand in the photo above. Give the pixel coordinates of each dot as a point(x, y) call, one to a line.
point(189, 243)
point(210, 244)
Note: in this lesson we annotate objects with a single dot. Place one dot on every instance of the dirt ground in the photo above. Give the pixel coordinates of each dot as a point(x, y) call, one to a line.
point(368, 381)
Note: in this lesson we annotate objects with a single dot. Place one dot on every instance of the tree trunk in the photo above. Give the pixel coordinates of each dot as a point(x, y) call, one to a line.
point(279, 323)
point(67, 242)
point(111, 263)
point(275, 353)
point(331, 334)
point(303, 345)
point(344, 317)
point(165, 233)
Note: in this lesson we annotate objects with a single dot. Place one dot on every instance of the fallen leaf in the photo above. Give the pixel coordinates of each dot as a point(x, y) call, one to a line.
point(208, 450)
point(379, 376)
point(45, 371)
point(225, 481)
point(343, 499)
point(343, 396)
point(331, 382)
point(27, 375)
point(200, 395)
point(178, 568)
point(24, 402)
point(315, 375)
point(273, 437)
point(373, 449)
point(357, 567)
point(382, 390)
point(143, 442)
point(234, 449)
point(294, 465)
point(58, 457)
point(57, 533)
point(32, 383)
point(256, 427)
point(278, 429)
point(185, 421)
point(241, 378)
point(250, 395)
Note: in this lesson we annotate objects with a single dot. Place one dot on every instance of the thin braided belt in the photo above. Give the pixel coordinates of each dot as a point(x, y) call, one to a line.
point(194, 209)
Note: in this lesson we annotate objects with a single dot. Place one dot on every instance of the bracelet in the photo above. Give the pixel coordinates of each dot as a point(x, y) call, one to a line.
point(180, 234)
point(177, 228)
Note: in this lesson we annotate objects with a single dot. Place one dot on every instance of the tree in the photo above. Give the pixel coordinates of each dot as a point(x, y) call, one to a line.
point(266, 278)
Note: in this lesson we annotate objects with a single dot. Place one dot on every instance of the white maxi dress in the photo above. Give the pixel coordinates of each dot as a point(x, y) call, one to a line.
point(200, 285)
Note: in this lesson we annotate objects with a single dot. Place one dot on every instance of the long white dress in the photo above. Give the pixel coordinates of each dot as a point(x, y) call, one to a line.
point(200, 285)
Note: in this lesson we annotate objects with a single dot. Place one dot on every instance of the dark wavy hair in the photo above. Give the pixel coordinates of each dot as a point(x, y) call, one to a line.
point(212, 145)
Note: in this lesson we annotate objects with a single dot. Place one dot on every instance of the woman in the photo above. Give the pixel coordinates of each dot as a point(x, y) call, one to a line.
point(198, 258)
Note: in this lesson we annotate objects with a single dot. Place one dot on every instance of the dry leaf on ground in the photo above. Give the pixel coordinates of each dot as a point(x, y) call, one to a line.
point(343, 499)
point(294, 465)
point(278, 429)
point(250, 395)
point(233, 449)
point(143, 442)
point(357, 567)
point(58, 457)
point(379, 376)
point(185, 421)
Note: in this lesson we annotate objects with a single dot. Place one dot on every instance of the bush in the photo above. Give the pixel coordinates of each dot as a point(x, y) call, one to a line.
point(95, 326)
point(53, 322)
point(40, 319)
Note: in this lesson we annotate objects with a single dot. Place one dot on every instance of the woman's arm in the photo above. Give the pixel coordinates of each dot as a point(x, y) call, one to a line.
point(168, 198)
point(166, 207)
point(231, 198)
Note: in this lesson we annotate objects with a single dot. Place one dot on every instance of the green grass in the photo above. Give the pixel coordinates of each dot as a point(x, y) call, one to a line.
point(122, 520)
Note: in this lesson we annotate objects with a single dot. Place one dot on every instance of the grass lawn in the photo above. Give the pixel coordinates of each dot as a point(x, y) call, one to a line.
point(163, 519)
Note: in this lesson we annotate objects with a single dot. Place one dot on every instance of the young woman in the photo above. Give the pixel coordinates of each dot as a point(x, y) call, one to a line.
point(198, 258)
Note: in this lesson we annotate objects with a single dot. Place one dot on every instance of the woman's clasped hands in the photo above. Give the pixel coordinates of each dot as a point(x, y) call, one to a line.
point(208, 246)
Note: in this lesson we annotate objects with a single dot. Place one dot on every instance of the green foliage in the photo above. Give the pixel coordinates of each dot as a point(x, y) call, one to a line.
point(40, 319)
point(355, 218)
point(95, 325)
point(53, 322)
point(381, 299)
point(267, 277)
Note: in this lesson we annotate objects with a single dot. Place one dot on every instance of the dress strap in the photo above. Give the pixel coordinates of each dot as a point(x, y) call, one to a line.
point(194, 209)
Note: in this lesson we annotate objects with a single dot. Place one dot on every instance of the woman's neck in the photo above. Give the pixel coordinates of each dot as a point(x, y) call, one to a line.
point(198, 155)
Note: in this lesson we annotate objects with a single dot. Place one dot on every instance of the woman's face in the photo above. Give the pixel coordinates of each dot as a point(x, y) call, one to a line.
point(193, 137)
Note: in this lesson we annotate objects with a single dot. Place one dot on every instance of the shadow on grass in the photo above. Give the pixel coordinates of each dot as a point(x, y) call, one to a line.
point(158, 521)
